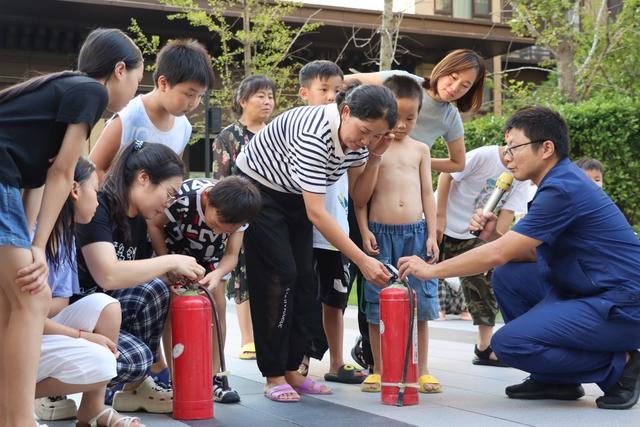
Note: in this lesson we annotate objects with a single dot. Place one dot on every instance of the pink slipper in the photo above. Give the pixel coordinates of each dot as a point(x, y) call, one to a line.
point(311, 387)
point(277, 393)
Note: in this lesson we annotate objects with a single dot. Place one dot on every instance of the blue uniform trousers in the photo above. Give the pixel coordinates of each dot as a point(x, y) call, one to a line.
point(559, 339)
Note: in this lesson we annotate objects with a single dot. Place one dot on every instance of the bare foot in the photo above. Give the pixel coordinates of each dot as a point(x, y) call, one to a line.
point(465, 315)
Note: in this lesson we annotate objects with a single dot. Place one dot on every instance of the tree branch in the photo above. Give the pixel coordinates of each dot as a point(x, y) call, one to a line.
point(299, 33)
point(596, 38)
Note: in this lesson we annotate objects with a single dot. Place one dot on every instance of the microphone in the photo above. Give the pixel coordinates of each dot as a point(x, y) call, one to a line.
point(502, 185)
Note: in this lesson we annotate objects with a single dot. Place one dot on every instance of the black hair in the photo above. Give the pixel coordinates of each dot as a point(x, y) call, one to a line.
point(586, 163)
point(236, 199)
point(319, 69)
point(369, 102)
point(63, 230)
point(157, 160)
point(184, 60)
point(541, 124)
point(99, 54)
point(405, 87)
point(248, 87)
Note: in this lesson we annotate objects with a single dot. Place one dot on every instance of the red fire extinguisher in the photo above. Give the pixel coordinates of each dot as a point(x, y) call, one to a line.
point(398, 343)
point(192, 370)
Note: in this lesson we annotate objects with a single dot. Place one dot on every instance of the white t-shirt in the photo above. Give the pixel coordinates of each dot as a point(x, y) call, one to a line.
point(336, 202)
point(471, 188)
point(136, 124)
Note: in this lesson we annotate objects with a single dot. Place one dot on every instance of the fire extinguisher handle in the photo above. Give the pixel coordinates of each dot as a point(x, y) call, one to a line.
point(395, 274)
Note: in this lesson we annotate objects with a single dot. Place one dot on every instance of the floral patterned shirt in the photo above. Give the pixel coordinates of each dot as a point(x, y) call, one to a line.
point(226, 148)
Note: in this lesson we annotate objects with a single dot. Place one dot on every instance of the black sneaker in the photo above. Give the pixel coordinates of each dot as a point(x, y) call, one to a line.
point(222, 394)
point(532, 389)
point(625, 393)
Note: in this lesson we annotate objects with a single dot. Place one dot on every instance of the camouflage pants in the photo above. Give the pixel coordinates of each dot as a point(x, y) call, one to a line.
point(477, 290)
point(237, 288)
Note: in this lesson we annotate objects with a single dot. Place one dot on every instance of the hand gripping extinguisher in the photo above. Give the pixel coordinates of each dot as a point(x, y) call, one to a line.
point(191, 317)
point(398, 342)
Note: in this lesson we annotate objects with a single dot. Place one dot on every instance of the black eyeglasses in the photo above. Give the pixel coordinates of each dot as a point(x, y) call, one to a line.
point(508, 151)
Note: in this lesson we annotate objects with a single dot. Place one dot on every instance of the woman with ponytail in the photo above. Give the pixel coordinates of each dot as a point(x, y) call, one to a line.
point(44, 123)
point(114, 257)
point(292, 161)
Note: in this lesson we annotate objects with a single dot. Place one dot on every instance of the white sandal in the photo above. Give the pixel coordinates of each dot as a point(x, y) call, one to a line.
point(122, 422)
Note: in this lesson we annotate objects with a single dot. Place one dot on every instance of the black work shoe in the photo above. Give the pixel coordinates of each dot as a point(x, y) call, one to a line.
point(532, 389)
point(626, 392)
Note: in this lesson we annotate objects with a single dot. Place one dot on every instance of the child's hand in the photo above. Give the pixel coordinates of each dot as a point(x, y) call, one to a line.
point(370, 244)
point(211, 280)
point(378, 147)
point(433, 251)
point(101, 340)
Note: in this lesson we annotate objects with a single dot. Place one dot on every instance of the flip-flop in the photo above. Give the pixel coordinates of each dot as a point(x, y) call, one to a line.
point(429, 379)
point(372, 384)
point(277, 393)
point(248, 352)
point(346, 374)
point(483, 358)
point(309, 386)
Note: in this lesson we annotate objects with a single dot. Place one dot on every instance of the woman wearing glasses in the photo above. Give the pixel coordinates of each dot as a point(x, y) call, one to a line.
point(115, 257)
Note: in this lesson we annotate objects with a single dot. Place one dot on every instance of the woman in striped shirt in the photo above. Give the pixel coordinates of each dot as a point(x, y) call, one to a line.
point(293, 160)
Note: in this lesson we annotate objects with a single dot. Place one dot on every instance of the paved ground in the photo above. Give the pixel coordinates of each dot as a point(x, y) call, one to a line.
point(473, 395)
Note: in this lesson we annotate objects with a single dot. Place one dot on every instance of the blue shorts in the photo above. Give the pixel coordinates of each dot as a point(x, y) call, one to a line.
point(395, 241)
point(13, 221)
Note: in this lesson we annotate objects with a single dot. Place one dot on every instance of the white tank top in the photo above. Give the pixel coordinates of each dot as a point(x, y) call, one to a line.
point(136, 124)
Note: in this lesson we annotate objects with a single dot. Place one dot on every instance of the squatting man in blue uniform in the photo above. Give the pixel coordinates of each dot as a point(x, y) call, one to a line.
point(569, 282)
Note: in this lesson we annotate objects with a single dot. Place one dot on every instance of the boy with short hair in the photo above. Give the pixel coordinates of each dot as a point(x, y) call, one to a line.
point(320, 80)
point(183, 73)
point(593, 168)
point(395, 225)
point(206, 221)
point(460, 194)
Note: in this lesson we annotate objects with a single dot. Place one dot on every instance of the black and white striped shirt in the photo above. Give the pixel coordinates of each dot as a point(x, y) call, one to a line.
point(299, 151)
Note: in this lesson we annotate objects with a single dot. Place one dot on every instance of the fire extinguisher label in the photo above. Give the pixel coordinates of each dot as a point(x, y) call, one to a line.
point(178, 349)
point(381, 327)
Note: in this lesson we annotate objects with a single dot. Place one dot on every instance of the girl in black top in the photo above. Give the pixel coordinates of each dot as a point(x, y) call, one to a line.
point(44, 123)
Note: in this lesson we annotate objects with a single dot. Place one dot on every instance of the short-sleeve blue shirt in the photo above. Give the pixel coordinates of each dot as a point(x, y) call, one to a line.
point(588, 247)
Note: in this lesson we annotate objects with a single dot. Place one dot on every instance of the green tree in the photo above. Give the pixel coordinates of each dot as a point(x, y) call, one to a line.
point(590, 44)
point(260, 42)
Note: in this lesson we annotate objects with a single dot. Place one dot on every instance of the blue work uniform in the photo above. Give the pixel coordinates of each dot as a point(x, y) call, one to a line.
point(572, 314)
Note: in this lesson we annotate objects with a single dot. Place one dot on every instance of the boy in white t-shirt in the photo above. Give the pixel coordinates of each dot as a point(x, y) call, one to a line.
point(183, 73)
point(319, 82)
point(459, 195)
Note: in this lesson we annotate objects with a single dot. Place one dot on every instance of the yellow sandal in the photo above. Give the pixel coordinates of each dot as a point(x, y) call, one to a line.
point(372, 384)
point(248, 352)
point(431, 380)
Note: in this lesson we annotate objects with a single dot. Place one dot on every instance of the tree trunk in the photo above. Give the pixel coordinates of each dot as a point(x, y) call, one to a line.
point(386, 36)
point(565, 55)
point(248, 43)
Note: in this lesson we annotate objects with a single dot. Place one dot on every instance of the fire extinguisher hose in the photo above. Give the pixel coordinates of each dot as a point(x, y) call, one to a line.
point(216, 322)
point(407, 350)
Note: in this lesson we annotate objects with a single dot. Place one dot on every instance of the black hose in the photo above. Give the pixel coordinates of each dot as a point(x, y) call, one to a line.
point(407, 351)
point(223, 368)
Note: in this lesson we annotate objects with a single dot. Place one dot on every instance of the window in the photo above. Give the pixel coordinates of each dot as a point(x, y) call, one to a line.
point(481, 8)
point(444, 7)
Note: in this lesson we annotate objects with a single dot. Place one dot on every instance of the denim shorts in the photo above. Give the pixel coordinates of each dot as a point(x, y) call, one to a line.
point(395, 241)
point(13, 222)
